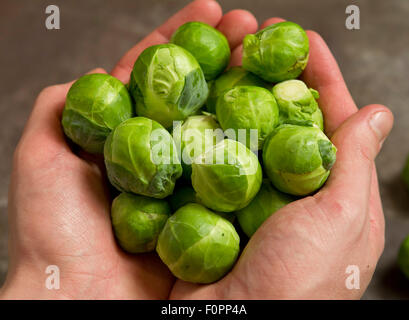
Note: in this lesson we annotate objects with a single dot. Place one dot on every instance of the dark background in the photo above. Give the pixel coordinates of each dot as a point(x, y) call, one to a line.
point(95, 33)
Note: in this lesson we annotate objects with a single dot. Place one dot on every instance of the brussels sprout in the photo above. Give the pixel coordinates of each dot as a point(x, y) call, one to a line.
point(267, 201)
point(95, 104)
point(297, 102)
point(403, 257)
point(141, 157)
point(276, 53)
point(227, 177)
point(235, 76)
point(208, 45)
point(198, 245)
point(405, 173)
point(167, 84)
point(138, 220)
point(298, 159)
point(185, 194)
point(197, 134)
point(248, 108)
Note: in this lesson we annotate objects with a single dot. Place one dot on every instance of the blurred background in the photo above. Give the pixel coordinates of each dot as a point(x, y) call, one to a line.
point(94, 33)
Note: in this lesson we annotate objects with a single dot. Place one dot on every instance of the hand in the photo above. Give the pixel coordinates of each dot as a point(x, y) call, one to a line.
point(59, 209)
point(303, 250)
point(59, 205)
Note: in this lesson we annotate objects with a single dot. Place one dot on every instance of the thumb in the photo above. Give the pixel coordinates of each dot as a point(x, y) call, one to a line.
point(358, 140)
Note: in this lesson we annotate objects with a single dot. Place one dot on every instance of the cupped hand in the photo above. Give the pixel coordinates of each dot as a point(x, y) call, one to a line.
point(59, 204)
point(305, 250)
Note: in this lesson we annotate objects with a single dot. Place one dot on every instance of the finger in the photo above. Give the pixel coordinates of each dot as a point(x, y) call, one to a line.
point(236, 24)
point(358, 141)
point(208, 11)
point(322, 73)
point(237, 53)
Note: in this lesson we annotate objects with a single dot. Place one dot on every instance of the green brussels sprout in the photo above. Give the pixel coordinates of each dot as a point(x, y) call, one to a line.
point(247, 108)
point(235, 76)
point(208, 45)
point(96, 104)
point(138, 220)
point(167, 84)
point(267, 201)
point(141, 157)
point(198, 245)
point(297, 102)
point(185, 194)
point(405, 173)
point(298, 159)
point(227, 177)
point(276, 53)
point(403, 257)
point(197, 134)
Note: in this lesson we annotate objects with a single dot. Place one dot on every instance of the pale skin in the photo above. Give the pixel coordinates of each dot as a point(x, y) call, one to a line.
point(59, 204)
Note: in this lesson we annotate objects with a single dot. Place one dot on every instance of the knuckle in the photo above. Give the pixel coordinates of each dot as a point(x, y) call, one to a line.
point(343, 213)
point(335, 207)
point(366, 152)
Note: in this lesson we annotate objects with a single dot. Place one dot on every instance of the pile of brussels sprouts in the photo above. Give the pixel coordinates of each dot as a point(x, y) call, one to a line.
point(183, 143)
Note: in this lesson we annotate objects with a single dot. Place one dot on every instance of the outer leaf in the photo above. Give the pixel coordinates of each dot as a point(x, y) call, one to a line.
point(227, 177)
point(248, 108)
point(95, 105)
point(235, 76)
point(167, 84)
point(137, 221)
point(297, 158)
point(276, 53)
point(132, 164)
point(208, 45)
point(198, 245)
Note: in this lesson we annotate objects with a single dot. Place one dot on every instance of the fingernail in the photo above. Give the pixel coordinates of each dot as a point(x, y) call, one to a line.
point(380, 125)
